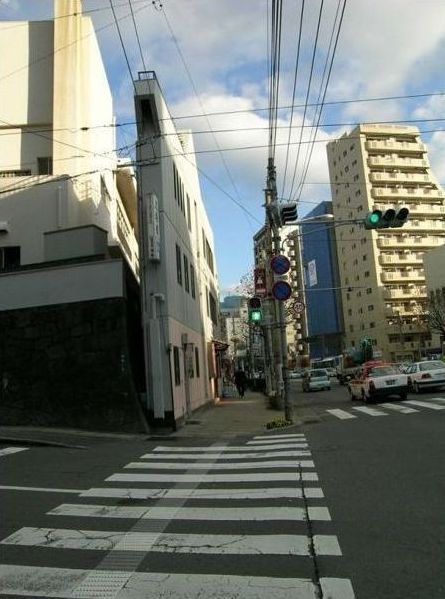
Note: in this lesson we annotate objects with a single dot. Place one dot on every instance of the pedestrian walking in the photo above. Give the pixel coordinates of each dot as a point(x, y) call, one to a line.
point(240, 381)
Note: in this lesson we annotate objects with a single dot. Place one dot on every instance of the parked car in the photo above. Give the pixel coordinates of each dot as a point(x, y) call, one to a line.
point(296, 374)
point(378, 379)
point(331, 371)
point(422, 375)
point(316, 379)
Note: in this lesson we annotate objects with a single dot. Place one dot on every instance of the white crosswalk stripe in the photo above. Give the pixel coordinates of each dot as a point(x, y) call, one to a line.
point(370, 411)
point(342, 414)
point(223, 466)
point(433, 403)
point(221, 544)
point(397, 407)
point(424, 404)
point(11, 450)
point(65, 583)
point(178, 509)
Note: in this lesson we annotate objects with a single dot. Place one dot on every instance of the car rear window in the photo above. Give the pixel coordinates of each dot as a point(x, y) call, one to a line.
point(318, 373)
point(431, 365)
point(383, 371)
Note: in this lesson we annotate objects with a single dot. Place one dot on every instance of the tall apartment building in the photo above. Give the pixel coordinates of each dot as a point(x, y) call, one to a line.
point(381, 271)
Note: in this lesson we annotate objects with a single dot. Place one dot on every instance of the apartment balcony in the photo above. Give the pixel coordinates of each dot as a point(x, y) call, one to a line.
point(401, 310)
point(408, 293)
point(402, 178)
point(411, 242)
point(427, 209)
point(433, 226)
point(399, 259)
point(395, 161)
point(402, 193)
point(386, 145)
point(402, 276)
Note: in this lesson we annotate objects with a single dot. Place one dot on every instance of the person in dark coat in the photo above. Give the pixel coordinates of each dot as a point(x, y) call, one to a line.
point(240, 381)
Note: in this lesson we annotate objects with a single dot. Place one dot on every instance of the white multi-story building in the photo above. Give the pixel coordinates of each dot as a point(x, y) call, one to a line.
point(58, 167)
point(178, 271)
point(381, 271)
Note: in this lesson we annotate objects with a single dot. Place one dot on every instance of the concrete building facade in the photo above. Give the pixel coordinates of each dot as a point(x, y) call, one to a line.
point(71, 349)
point(381, 271)
point(179, 274)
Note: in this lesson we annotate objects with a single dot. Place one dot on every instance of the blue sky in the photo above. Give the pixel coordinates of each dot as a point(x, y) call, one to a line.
point(385, 48)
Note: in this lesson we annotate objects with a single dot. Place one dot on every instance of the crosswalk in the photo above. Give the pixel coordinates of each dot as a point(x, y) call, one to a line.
point(10, 450)
point(245, 521)
point(408, 406)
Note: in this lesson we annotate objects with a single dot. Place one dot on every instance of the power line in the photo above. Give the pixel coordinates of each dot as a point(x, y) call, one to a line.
point(307, 95)
point(306, 166)
point(137, 35)
point(122, 41)
point(293, 96)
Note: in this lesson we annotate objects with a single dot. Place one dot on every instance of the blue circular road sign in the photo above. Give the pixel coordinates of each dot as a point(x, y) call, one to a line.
point(280, 264)
point(281, 290)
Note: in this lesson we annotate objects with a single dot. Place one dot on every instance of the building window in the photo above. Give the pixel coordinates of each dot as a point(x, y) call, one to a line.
point(372, 325)
point(351, 328)
point(370, 308)
point(366, 273)
point(178, 264)
point(189, 216)
point(192, 281)
point(45, 165)
point(176, 366)
point(197, 362)
point(186, 274)
point(9, 257)
point(213, 310)
point(364, 257)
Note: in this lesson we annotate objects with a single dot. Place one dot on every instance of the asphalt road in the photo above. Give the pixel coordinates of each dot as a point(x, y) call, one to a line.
point(383, 477)
point(372, 482)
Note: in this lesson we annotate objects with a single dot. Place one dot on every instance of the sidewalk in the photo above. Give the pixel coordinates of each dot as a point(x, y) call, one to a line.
point(229, 417)
point(233, 416)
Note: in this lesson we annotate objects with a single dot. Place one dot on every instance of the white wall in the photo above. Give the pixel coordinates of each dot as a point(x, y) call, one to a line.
point(61, 285)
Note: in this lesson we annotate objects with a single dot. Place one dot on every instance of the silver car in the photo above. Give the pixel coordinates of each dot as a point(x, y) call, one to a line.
point(316, 379)
point(422, 375)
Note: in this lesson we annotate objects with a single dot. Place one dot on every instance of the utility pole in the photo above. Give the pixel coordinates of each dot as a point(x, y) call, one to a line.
point(273, 217)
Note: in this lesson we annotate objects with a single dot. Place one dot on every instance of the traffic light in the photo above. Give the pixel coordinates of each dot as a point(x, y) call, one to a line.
point(288, 212)
point(255, 311)
point(388, 219)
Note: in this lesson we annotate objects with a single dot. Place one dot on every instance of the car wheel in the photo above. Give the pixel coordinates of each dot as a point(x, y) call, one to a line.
point(365, 397)
point(416, 387)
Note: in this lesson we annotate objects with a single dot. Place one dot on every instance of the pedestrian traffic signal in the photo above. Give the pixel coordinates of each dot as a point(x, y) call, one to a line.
point(288, 212)
point(388, 219)
point(255, 311)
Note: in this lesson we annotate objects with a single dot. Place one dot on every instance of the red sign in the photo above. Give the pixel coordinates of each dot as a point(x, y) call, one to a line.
point(259, 276)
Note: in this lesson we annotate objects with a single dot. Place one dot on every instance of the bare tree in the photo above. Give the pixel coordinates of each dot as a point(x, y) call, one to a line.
point(435, 314)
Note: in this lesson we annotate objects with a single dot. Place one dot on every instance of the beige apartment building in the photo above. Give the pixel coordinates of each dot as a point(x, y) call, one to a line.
point(381, 271)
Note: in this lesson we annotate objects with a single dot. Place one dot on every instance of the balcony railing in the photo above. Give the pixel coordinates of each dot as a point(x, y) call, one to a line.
point(397, 162)
point(399, 177)
point(392, 242)
point(383, 145)
point(415, 193)
point(406, 294)
point(405, 258)
point(402, 276)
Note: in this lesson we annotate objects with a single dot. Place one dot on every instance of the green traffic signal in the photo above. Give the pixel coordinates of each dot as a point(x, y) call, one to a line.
point(373, 219)
point(255, 315)
point(388, 219)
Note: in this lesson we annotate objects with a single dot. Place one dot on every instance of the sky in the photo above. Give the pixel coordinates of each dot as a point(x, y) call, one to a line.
point(211, 58)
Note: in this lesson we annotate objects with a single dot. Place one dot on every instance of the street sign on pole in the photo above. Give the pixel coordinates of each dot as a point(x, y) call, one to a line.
point(298, 307)
point(280, 265)
point(259, 276)
point(281, 290)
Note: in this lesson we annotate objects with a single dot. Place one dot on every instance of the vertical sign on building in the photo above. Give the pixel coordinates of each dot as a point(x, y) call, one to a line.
point(312, 273)
point(259, 276)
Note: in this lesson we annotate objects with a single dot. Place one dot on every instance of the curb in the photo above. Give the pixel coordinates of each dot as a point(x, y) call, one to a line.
point(39, 442)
